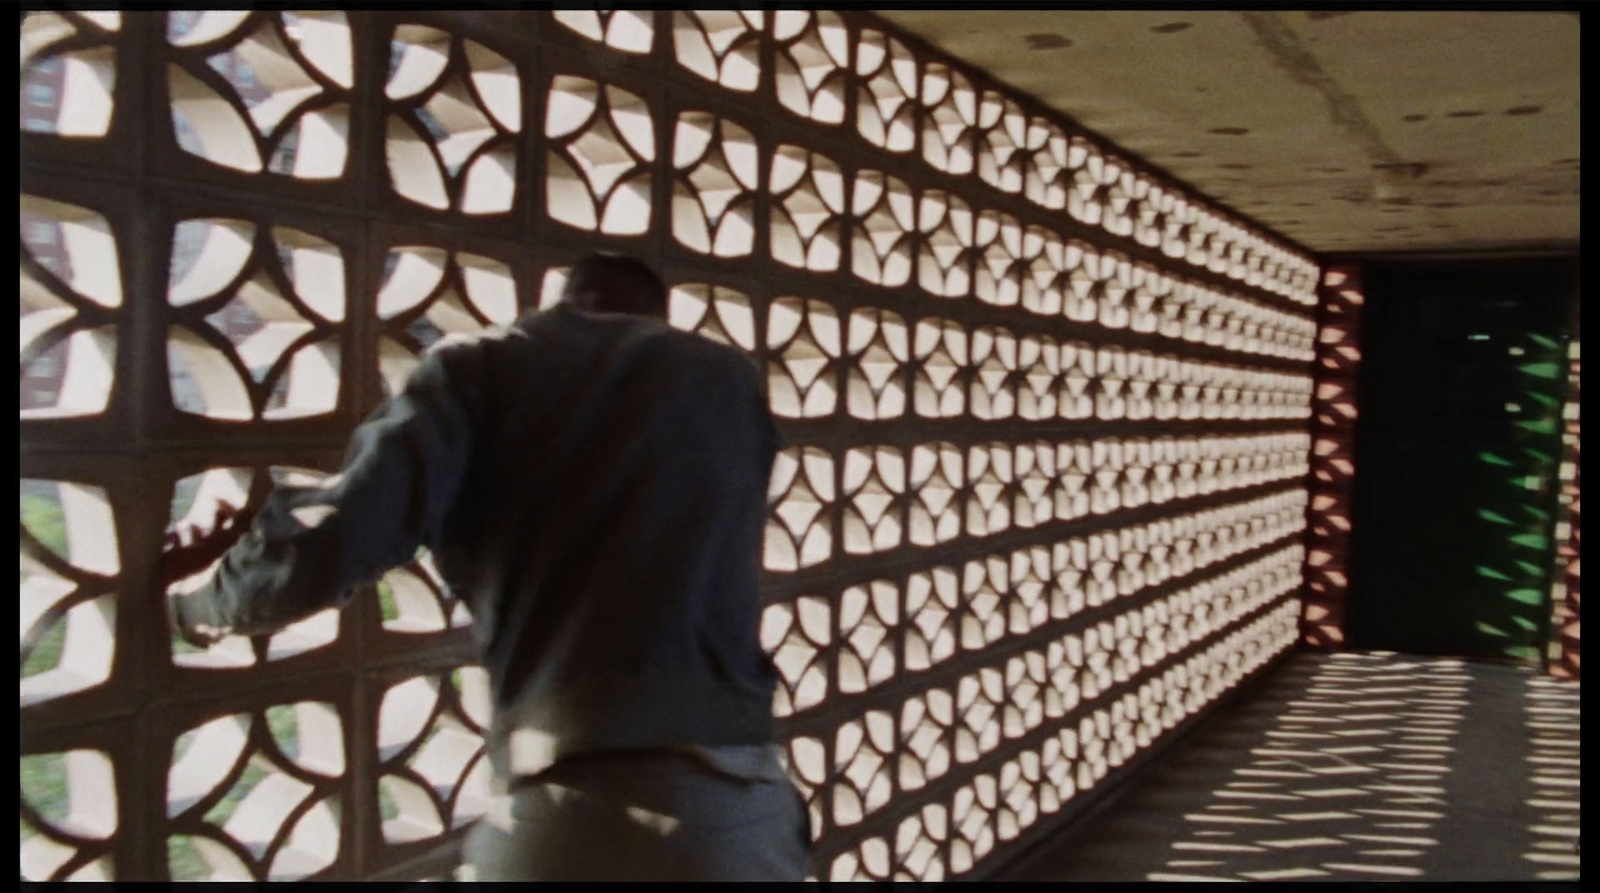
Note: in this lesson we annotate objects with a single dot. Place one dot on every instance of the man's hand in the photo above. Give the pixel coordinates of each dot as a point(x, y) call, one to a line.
point(189, 549)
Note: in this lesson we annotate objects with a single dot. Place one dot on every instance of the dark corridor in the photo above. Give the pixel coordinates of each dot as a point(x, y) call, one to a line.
point(1458, 448)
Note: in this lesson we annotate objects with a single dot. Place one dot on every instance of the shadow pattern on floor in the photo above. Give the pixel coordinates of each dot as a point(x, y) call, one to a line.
point(1353, 767)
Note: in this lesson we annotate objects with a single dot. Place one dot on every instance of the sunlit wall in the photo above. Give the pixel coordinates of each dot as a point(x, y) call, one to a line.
point(1564, 633)
point(1333, 456)
point(1048, 414)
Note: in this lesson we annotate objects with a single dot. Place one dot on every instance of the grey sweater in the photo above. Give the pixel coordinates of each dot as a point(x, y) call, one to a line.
point(594, 486)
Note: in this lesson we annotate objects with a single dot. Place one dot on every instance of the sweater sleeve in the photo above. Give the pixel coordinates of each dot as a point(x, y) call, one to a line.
point(309, 546)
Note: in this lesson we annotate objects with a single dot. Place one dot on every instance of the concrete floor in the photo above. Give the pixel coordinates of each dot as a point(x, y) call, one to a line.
point(1352, 767)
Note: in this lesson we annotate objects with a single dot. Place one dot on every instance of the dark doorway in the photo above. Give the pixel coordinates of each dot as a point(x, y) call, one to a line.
point(1458, 445)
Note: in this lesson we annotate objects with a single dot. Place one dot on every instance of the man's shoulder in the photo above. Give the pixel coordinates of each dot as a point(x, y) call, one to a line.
point(670, 344)
point(470, 349)
point(699, 345)
point(717, 357)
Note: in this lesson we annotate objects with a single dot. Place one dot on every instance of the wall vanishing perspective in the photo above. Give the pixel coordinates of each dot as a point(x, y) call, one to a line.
point(1333, 457)
point(1050, 414)
point(1564, 649)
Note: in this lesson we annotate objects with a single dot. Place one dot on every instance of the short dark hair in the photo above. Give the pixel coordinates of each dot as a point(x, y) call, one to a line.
point(615, 283)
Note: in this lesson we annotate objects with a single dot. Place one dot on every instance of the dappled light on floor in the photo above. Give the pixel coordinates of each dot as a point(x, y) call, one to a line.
point(1348, 782)
point(1353, 767)
point(1552, 717)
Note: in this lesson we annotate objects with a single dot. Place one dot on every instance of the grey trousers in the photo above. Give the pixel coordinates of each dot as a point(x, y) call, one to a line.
point(642, 818)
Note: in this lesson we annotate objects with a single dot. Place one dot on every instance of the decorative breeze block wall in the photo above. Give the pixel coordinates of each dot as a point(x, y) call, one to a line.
point(1049, 415)
point(1565, 646)
point(1333, 456)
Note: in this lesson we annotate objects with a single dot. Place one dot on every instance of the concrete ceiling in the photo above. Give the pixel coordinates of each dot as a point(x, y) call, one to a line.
point(1347, 131)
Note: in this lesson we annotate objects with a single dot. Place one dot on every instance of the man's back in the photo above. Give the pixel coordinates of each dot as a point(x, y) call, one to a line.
point(607, 533)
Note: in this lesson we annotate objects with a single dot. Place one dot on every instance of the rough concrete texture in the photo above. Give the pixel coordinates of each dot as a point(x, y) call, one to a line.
point(1390, 130)
point(1355, 767)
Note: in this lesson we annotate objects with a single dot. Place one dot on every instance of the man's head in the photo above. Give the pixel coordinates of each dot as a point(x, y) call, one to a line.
point(615, 283)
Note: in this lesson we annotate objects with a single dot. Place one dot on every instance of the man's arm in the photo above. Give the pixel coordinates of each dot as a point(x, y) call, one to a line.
point(309, 546)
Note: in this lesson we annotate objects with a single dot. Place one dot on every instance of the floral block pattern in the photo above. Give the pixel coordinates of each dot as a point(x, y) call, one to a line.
point(1047, 418)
